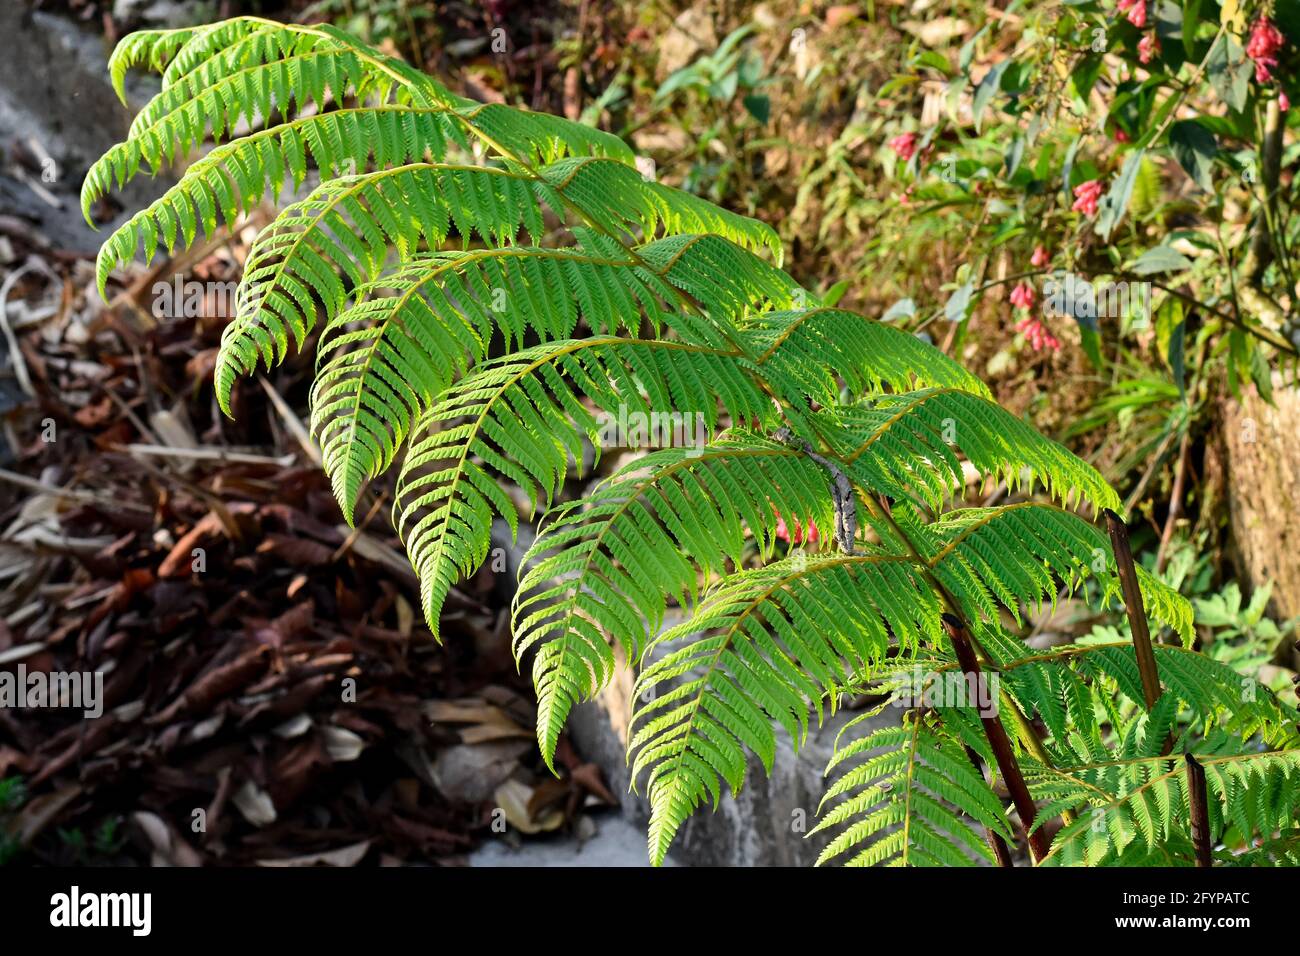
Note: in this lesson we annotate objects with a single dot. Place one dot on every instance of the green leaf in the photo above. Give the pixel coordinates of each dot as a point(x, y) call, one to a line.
point(1115, 203)
point(1195, 148)
point(759, 106)
point(988, 85)
point(1161, 259)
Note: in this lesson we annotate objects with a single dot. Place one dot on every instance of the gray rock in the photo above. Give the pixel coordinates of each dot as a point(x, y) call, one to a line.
point(616, 842)
point(54, 88)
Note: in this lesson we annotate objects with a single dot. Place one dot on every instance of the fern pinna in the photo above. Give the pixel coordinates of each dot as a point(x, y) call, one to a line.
point(482, 284)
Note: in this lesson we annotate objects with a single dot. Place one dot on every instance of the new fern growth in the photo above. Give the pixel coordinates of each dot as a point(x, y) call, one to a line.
point(481, 284)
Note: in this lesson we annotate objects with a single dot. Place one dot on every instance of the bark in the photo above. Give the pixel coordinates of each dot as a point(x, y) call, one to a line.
point(1261, 451)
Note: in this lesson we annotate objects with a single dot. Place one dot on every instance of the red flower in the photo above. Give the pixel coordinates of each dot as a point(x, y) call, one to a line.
point(1121, 136)
point(1022, 296)
point(1137, 12)
point(1040, 257)
point(1086, 196)
point(1038, 335)
point(1148, 48)
point(1263, 46)
point(1283, 102)
point(904, 145)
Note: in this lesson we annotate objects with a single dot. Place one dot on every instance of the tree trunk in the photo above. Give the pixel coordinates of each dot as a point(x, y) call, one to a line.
point(1261, 448)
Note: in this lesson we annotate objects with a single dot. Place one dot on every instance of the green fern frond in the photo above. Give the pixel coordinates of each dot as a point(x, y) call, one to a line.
point(1014, 556)
point(381, 361)
point(1210, 693)
point(764, 645)
point(605, 566)
point(908, 798)
point(904, 444)
point(523, 417)
point(1144, 800)
point(814, 346)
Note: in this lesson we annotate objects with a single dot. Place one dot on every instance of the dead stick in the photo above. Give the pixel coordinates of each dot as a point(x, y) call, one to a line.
point(1137, 618)
point(998, 739)
point(1199, 804)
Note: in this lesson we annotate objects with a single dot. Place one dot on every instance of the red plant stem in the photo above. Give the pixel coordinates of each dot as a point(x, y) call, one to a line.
point(1001, 852)
point(1137, 618)
point(1199, 804)
point(998, 740)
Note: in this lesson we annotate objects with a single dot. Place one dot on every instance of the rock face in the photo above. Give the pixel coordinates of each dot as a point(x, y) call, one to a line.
point(55, 90)
point(1262, 463)
point(765, 825)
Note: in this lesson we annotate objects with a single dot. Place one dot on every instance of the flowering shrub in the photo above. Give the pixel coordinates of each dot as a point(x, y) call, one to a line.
point(1144, 144)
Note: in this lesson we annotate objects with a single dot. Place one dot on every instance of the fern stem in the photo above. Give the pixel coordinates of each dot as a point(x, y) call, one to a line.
point(1001, 851)
point(1198, 804)
point(1146, 656)
point(1008, 766)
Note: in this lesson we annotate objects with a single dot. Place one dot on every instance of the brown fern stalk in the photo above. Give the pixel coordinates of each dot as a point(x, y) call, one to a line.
point(1137, 618)
point(1199, 803)
point(1001, 852)
point(998, 740)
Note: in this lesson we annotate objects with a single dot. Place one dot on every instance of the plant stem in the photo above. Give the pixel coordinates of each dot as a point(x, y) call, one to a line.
point(998, 740)
point(1001, 852)
point(1199, 805)
point(1137, 619)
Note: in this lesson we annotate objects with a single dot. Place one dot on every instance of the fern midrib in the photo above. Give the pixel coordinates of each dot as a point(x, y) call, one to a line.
point(911, 774)
point(790, 329)
point(897, 417)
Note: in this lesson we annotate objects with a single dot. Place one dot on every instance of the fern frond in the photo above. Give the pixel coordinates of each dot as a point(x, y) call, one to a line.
point(1211, 693)
point(1144, 800)
point(1014, 556)
point(522, 417)
point(347, 224)
point(902, 444)
point(382, 360)
point(908, 798)
point(604, 567)
point(759, 650)
point(813, 347)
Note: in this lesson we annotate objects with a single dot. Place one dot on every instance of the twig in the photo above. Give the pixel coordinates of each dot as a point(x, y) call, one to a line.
point(292, 422)
point(1175, 502)
point(209, 454)
point(15, 353)
point(70, 494)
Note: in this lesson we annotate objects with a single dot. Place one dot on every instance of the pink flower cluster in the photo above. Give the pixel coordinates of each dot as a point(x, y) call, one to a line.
point(1022, 296)
point(1136, 10)
point(1263, 46)
point(1040, 257)
point(1086, 197)
point(904, 145)
point(1038, 335)
point(1148, 48)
